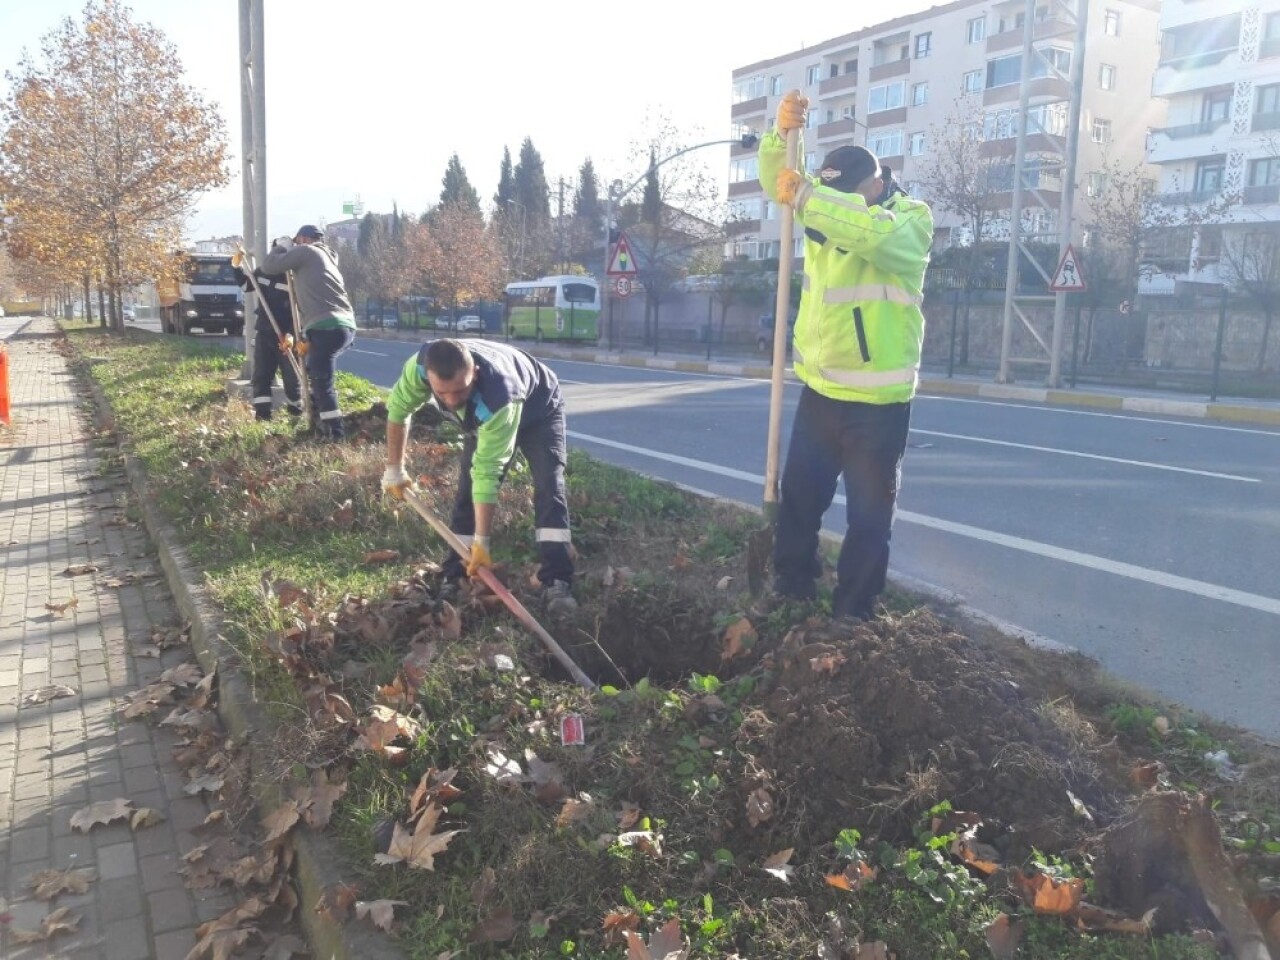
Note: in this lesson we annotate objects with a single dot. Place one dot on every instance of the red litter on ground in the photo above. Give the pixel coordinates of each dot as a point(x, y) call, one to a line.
point(571, 730)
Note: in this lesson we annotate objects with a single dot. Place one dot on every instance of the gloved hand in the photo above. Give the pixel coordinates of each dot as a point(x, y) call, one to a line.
point(479, 556)
point(395, 482)
point(791, 111)
point(284, 243)
point(237, 258)
point(302, 348)
point(790, 188)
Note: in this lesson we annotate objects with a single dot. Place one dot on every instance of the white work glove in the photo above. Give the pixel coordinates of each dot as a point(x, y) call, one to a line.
point(284, 243)
point(395, 482)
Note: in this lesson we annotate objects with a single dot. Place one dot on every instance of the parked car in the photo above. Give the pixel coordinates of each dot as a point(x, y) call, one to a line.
point(470, 324)
point(129, 314)
point(764, 334)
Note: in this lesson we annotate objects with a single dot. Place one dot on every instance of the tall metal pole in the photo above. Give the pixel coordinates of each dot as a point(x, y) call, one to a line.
point(1067, 206)
point(253, 151)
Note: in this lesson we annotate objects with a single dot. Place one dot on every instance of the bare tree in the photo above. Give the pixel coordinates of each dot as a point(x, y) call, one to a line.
point(1250, 264)
point(462, 260)
point(104, 148)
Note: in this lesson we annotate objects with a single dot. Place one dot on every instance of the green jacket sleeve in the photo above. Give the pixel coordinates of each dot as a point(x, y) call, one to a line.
point(495, 446)
point(895, 238)
point(772, 157)
point(409, 395)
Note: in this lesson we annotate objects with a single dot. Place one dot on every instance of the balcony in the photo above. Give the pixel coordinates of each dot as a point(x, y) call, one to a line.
point(833, 85)
point(894, 68)
point(1185, 130)
point(1052, 87)
point(1187, 198)
point(1198, 71)
point(1036, 143)
point(887, 118)
point(1051, 28)
point(1188, 141)
point(748, 108)
point(1266, 193)
point(1175, 15)
point(745, 188)
point(838, 129)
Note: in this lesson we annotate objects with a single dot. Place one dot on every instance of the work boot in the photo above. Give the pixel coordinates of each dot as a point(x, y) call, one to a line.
point(449, 591)
point(293, 409)
point(558, 596)
point(262, 411)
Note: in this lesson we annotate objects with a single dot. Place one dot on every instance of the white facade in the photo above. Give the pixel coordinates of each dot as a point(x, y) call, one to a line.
point(894, 85)
point(1219, 73)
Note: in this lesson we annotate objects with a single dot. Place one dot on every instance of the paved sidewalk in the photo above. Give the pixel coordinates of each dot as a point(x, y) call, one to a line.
point(61, 504)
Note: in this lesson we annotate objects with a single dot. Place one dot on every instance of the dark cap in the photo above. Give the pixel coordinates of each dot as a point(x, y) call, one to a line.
point(309, 232)
point(845, 168)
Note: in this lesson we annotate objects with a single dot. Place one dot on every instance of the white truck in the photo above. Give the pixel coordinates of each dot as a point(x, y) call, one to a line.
point(201, 294)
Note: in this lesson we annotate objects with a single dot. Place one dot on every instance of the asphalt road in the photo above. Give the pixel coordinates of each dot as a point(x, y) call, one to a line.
point(1150, 543)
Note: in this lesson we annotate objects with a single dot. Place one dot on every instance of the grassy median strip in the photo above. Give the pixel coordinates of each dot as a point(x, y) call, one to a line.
point(747, 784)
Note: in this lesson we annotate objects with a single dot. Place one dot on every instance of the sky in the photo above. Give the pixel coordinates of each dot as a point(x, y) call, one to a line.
point(370, 99)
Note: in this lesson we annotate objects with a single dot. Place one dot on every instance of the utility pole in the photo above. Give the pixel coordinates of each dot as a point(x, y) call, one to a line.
point(253, 151)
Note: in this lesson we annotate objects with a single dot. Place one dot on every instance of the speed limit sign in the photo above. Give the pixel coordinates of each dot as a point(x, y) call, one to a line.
point(622, 286)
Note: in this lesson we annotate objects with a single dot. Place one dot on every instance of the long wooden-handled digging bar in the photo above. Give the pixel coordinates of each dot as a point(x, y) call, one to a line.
point(506, 596)
point(287, 344)
point(297, 339)
point(760, 544)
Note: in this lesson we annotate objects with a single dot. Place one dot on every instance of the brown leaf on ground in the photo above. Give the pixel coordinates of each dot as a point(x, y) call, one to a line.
point(183, 675)
point(497, 927)
point(287, 592)
point(381, 556)
point(628, 816)
point(336, 901)
point(61, 920)
point(759, 807)
point(433, 785)
point(1003, 936)
point(853, 878)
point(417, 849)
point(47, 884)
point(777, 864)
point(829, 663)
point(104, 811)
point(381, 913)
point(1144, 776)
point(383, 727)
point(574, 810)
point(484, 888)
point(202, 693)
point(1047, 895)
point(149, 699)
point(617, 923)
point(316, 801)
point(61, 608)
point(666, 943)
point(80, 569)
point(400, 693)
point(981, 856)
point(280, 821)
point(145, 817)
point(739, 637)
point(53, 691)
point(1099, 920)
point(221, 944)
point(548, 782)
point(206, 784)
point(646, 841)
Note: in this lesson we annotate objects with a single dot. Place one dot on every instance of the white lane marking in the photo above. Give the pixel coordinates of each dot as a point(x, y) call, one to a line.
point(673, 376)
point(1094, 413)
point(1199, 588)
point(1086, 456)
point(369, 353)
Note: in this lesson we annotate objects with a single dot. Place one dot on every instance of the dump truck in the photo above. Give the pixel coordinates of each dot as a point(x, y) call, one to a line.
point(201, 293)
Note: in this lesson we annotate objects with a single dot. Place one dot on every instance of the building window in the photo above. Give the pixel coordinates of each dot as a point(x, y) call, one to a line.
point(1004, 71)
point(748, 88)
point(850, 66)
point(1101, 131)
point(888, 144)
point(775, 85)
point(1111, 23)
point(1002, 125)
point(915, 190)
point(1264, 172)
point(1052, 59)
point(744, 168)
point(973, 81)
point(811, 160)
point(887, 97)
point(919, 94)
point(924, 43)
point(1096, 184)
point(812, 74)
point(835, 70)
point(1209, 175)
point(977, 30)
point(811, 119)
point(1266, 107)
point(916, 144)
point(1106, 76)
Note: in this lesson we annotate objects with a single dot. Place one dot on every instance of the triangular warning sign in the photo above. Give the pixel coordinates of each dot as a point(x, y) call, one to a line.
point(1068, 278)
point(621, 262)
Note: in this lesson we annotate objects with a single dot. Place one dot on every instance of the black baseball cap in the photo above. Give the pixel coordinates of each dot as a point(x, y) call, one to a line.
point(845, 168)
point(310, 232)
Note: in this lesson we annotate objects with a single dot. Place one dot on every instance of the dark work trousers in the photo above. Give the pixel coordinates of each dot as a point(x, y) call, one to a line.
point(543, 445)
point(324, 348)
point(864, 442)
point(267, 359)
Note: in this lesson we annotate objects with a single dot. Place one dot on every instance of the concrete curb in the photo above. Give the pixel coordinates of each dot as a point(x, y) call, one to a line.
point(316, 862)
point(1226, 412)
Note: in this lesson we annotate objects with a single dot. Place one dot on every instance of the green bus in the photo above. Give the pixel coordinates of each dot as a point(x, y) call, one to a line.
point(553, 308)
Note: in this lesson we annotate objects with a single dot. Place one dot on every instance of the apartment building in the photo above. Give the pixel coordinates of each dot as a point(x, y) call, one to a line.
point(1218, 156)
point(896, 86)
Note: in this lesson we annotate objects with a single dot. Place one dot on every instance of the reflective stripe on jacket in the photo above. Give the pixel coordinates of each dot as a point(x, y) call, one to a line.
point(860, 327)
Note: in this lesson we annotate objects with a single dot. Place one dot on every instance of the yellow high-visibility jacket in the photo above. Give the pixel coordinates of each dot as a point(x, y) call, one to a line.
point(860, 327)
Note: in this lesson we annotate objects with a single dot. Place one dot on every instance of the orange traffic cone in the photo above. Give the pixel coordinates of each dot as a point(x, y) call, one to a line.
point(4, 385)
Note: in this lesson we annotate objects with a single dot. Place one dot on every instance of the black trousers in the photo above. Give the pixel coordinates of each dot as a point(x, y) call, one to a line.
point(543, 444)
point(267, 359)
point(864, 443)
point(324, 348)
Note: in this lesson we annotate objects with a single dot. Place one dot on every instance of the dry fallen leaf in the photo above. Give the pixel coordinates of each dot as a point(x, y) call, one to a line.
point(145, 817)
point(104, 811)
point(385, 726)
point(574, 810)
point(853, 878)
point(417, 849)
point(280, 821)
point(79, 569)
point(382, 556)
point(646, 841)
point(1047, 895)
point(1003, 936)
point(617, 924)
point(380, 912)
point(63, 607)
point(827, 662)
point(183, 675)
point(47, 884)
point(628, 816)
point(59, 921)
point(336, 901)
point(777, 865)
point(666, 943)
point(497, 927)
point(208, 782)
point(739, 637)
point(316, 802)
point(51, 692)
point(759, 807)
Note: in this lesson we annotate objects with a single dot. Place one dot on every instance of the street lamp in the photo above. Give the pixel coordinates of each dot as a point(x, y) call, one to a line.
point(617, 190)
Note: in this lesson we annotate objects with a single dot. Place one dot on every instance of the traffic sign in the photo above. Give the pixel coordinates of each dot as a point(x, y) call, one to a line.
point(621, 262)
point(622, 286)
point(1068, 278)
